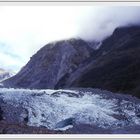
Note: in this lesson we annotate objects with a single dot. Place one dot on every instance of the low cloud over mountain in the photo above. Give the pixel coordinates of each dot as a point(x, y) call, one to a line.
point(33, 26)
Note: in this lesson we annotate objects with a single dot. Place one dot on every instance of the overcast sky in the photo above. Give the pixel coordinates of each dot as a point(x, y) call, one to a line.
point(25, 29)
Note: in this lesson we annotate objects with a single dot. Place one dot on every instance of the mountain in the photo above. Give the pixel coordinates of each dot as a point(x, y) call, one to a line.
point(51, 63)
point(4, 74)
point(113, 64)
point(117, 65)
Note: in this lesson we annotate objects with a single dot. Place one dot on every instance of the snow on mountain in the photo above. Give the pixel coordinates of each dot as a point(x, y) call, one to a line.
point(94, 45)
point(4, 74)
point(61, 109)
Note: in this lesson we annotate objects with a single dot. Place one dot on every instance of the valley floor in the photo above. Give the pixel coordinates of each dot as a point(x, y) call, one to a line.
point(6, 128)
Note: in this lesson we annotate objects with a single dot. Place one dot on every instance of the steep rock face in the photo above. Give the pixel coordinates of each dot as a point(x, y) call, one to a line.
point(117, 65)
point(51, 63)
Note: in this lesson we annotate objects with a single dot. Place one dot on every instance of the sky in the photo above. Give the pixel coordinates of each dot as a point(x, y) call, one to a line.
point(25, 29)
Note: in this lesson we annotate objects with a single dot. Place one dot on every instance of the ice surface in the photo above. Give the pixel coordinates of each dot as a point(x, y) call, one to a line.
point(43, 109)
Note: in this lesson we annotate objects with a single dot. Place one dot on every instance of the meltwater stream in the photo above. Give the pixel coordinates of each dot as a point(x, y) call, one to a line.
point(61, 109)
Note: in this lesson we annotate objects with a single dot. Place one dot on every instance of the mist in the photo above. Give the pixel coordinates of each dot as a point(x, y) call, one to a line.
point(102, 21)
point(25, 29)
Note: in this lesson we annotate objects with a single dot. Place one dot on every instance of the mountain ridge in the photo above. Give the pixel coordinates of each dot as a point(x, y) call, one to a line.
point(51, 63)
point(74, 63)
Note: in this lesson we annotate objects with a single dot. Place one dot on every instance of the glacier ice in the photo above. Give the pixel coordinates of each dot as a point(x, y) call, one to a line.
point(44, 108)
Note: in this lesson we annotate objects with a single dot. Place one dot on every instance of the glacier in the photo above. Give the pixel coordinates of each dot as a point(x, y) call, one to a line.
point(63, 108)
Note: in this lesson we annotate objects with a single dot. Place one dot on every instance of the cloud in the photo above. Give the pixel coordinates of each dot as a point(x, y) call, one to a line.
point(102, 21)
point(8, 59)
point(25, 29)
